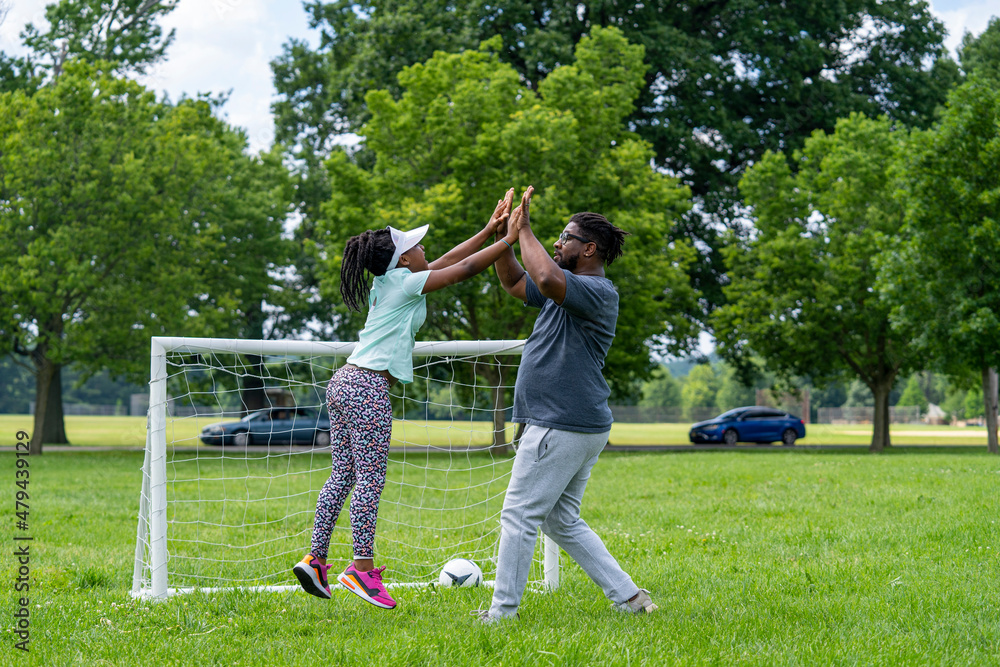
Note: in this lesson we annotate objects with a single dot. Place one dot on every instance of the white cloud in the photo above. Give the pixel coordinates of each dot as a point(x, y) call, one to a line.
point(226, 46)
point(961, 16)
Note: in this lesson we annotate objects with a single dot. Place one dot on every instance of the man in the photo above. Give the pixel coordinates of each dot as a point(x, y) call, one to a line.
point(565, 431)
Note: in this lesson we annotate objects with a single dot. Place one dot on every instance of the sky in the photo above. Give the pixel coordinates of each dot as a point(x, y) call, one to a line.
point(227, 45)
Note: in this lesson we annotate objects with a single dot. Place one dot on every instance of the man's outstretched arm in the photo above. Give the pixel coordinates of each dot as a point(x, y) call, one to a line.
point(544, 271)
point(512, 277)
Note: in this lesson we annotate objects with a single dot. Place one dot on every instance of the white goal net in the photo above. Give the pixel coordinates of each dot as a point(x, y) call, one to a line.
point(238, 447)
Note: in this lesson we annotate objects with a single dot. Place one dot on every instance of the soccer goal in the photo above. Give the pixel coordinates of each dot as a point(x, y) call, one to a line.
point(238, 447)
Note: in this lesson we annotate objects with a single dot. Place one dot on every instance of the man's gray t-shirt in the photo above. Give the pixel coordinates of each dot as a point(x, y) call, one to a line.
point(559, 381)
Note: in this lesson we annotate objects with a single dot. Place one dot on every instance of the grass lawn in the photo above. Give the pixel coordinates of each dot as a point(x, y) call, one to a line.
point(131, 431)
point(792, 557)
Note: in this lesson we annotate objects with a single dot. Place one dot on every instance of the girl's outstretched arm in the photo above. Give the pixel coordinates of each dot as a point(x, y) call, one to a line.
point(472, 265)
point(469, 246)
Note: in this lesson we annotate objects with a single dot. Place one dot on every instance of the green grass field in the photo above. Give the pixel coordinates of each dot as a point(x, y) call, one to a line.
point(786, 557)
point(131, 431)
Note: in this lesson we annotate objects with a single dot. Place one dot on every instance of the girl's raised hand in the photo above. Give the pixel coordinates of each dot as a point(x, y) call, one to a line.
point(498, 221)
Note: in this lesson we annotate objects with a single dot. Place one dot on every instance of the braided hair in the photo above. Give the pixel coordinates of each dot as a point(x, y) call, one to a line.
point(371, 252)
point(608, 238)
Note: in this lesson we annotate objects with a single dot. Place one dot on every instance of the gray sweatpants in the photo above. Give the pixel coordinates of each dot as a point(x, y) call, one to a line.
point(546, 487)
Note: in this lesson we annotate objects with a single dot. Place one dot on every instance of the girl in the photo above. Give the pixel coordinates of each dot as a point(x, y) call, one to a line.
point(358, 394)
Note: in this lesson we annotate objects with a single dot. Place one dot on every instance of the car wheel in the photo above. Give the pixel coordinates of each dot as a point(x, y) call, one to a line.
point(242, 439)
point(788, 437)
point(321, 439)
point(730, 437)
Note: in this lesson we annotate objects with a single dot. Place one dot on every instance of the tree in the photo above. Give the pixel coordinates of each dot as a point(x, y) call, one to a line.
point(15, 73)
point(941, 275)
point(803, 293)
point(954, 403)
point(732, 392)
point(247, 262)
point(114, 226)
point(726, 80)
point(700, 389)
point(124, 35)
point(463, 131)
point(974, 403)
point(913, 395)
point(830, 395)
point(981, 54)
point(859, 395)
point(662, 390)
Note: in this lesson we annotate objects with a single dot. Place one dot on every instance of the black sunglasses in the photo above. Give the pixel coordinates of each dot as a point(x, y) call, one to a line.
point(566, 236)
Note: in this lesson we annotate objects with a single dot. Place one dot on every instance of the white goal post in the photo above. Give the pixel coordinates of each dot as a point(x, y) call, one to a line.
point(239, 515)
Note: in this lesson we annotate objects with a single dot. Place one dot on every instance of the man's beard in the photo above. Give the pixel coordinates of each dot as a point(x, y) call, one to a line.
point(568, 263)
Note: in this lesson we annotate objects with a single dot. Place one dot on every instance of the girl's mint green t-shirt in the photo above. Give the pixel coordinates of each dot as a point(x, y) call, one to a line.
point(396, 309)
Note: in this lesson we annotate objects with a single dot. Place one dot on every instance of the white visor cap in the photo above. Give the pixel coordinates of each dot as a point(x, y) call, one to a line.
point(404, 241)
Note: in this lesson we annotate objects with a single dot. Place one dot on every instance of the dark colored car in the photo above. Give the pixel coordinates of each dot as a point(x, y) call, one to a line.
point(751, 424)
point(274, 426)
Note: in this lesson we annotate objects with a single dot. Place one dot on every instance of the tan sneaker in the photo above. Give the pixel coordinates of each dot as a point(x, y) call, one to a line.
point(642, 604)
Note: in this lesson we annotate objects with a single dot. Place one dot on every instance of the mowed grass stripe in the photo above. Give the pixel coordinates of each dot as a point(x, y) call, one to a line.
point(131, 432)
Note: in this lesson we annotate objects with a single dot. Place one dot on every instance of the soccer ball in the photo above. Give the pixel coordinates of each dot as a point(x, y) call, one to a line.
point(461, 572)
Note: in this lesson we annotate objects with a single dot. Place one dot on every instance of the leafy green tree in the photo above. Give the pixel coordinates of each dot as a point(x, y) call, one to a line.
point(732, 392)
point(859, 395)
point(830, 395)
point(913, 395)
point(15, 72)
point(247, 259)
point(973, 405)
point(803, 294)
point(700, 389)
point(954, 403)
point(114, 227)
point(124, 35)
point(941, 275)
point(981, 53)
point(726, 80)
point(662, 390)
point(16, 383)
point(463, 131)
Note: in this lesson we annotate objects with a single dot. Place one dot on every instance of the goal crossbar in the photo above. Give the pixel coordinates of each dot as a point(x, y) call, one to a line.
point(150, 574)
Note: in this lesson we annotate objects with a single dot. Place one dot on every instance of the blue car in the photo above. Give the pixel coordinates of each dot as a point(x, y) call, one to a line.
point(750, 424)
point(274, 426)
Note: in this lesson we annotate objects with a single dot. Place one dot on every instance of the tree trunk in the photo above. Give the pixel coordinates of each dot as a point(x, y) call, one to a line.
point(880, 432)
point(500, 444)
point(252, 394)
point(50, 428)
point(990, 403)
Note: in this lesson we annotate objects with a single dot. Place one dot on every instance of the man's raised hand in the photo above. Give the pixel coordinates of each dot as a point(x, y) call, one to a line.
point(520, 217)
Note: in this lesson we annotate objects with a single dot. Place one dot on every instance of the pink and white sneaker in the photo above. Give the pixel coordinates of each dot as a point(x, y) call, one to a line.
point(367, 585)
point(312, 575)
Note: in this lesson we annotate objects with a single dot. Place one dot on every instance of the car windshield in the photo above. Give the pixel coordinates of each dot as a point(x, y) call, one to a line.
point(253, 415)
point(732, 414)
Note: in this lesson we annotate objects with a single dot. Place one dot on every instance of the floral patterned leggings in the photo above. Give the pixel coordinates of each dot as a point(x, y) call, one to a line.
point(360, 428)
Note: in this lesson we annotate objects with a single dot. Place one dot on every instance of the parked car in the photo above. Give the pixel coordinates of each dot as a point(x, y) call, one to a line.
point(274, 426)
point(750, 424)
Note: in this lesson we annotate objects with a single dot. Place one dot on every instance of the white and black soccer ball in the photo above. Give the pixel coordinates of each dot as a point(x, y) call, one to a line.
point(461, 572)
